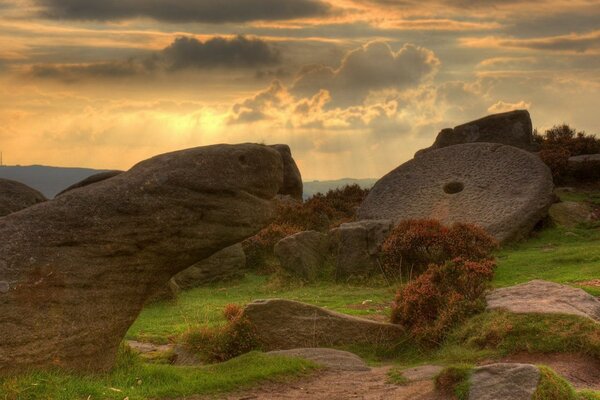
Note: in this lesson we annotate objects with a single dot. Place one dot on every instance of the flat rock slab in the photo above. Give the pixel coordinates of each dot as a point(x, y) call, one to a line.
point(504, 381)
point(545, 297)
point(570, 213)
point(503, 189)
point(335, 360)
point(286, 324)
point(422, 373)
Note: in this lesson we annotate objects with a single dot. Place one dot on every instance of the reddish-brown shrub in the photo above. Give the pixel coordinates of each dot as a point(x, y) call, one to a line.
point(444, 295)
point(414, 244)
point(217, 344)
point(557, 159)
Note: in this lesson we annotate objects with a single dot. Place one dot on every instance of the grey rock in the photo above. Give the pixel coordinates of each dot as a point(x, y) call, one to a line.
point(422, 373)
point(504, 381)
point(90, 180)
point(544, 297)
point(168, 292)
point(585, 158)
point(570, 213)
point(334, 360)
point(15, 196)
point(303, 254)
point(512, 128)
point(4, 287)
point(503, 189)
point(81, 266)
point(286, 324)
point(355, 246)
point(293, 185)
point(224, 265)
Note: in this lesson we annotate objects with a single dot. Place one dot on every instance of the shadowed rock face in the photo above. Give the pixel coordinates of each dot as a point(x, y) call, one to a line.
point(75, 271)
point(15, 196)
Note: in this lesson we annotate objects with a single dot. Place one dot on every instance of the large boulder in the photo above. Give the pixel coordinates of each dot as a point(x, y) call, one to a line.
point(503, 189)
point(286, 324)
point(226, 264)
point(504, 381)
point(355, 246)
point(570, 213)
point(303, 254)
point(544, 297)
point(15, 196)
point(77, 270)
point(90, 180)
point(512, 128)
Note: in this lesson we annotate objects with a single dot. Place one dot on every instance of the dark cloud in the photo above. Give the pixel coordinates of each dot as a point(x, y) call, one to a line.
point(210, 11)
point(187, 52)
point(183, 53)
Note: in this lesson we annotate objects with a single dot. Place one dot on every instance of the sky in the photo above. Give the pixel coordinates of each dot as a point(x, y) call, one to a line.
point(354, 87)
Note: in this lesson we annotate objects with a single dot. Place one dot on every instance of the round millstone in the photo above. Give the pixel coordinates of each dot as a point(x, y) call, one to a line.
point(501, 188)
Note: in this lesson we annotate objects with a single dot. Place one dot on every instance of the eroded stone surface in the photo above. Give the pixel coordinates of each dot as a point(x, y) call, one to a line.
point(512, 128)
point(81, 266)
point(545, 297)
point(503, 189)
point(90, 180)
point(286, 324)
point(303, 254)
point(226, 264)
point(504, 381)
point(15, 196)
point(332, 359)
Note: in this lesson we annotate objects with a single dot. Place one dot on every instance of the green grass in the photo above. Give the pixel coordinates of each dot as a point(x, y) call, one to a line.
point(454, 381)
point(553, 387)
point(555, 254)
point(203, 306)
point(135, 380)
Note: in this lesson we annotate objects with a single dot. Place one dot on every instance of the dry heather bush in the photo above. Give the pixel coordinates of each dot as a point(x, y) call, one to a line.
point(561, 142)
point(320, 213)
point(415, 244)
point(216, 344)
point(444, 295)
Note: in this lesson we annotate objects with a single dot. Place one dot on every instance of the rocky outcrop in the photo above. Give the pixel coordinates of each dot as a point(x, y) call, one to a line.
point(503, 189)
point(224, 265)
point(90, 180)
point(570, 213)
point(78, 269)
point(512, 128)
point(285, 324)
point(504, 381)
point(15, 196)
point(355, 247)
point(544, 297)
point(303, 254)
point(332, 359)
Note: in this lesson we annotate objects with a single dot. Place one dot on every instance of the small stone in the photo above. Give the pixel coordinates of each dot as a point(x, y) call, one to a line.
point(504, 381)
point(4, 287)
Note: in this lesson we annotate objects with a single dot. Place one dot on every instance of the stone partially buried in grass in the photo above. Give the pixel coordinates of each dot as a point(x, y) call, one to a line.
point(503, 189)
point(285, 324)
point(544, 297)
point(504, 381)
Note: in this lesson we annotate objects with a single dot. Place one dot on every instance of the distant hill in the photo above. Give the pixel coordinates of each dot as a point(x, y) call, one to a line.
point(48, 180)
point(313, 187)
point(52, 180)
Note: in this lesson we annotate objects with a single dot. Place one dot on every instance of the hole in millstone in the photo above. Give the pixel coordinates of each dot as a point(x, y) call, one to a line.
point(454, 187)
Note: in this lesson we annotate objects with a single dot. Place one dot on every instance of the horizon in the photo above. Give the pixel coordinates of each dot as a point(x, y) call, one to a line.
point(354, 87)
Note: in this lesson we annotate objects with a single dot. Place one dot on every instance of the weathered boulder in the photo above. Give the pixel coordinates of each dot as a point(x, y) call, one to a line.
point(15, 196)
point(293, 185)
point(504, 381)
point(570, 213)
point(355, 245)
point(286, 324)
point(225, 264)
point(90, 180)
point(303, 254)
point(544, 297)
point(584, 167)
point(512, 128)
point(79, 268)
point(167, 292)
point(332, 359)
point(503, 189)
point(585, 158)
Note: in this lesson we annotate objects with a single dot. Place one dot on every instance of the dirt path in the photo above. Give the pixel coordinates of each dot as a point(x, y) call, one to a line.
point(364, 385)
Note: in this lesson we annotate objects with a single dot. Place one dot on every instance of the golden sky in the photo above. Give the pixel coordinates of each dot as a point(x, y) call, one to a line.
point(354, 87)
